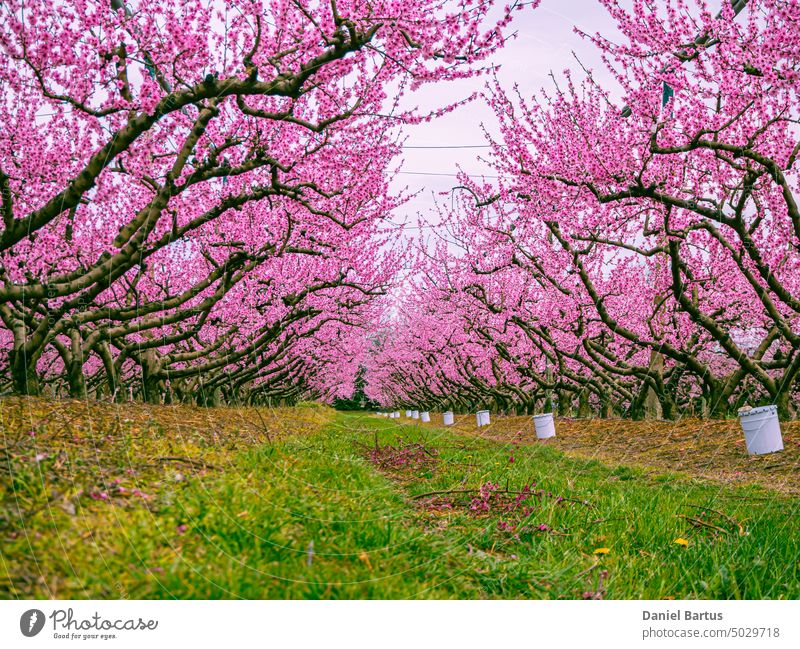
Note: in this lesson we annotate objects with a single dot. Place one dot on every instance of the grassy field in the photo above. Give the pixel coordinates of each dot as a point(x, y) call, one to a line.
point(148, 502)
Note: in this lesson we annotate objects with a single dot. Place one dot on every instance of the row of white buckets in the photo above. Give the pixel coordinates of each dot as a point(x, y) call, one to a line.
point(762, 429)
point(544, 424)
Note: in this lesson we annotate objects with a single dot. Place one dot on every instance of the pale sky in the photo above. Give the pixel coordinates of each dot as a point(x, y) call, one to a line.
point(545, 42)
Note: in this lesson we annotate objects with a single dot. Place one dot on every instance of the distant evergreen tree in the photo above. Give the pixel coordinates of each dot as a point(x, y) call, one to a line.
point(359, 400)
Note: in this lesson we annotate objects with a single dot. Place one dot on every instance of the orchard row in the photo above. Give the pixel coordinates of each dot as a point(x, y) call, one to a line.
point(196, 206)
point(640, 253)
point(194, 193)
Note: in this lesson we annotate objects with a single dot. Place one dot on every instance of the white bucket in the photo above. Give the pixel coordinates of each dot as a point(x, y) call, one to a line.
point(425, 416)
point(545, 426)
point(762, 430)
point(408, 413)
point(482, 417)
point(415, 414)
point(448, 418)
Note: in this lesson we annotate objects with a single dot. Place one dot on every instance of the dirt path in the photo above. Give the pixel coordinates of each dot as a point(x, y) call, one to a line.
point(710, 449)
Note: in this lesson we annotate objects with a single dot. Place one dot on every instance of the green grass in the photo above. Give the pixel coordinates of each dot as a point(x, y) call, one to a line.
point(311, 517)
